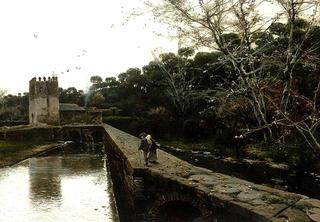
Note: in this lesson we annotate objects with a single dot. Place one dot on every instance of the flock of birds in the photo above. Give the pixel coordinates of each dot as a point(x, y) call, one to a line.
point(112, 26)
point(81, 54)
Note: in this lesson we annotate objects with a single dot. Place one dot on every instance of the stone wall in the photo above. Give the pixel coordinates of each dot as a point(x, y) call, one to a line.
point(70, 117)
point(122, 178)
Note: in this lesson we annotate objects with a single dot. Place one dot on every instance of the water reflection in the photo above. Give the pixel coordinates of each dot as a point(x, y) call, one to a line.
point(71, 188)
point(45, 180)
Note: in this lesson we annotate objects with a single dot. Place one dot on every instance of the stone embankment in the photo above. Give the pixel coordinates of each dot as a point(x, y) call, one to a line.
point(253, 202)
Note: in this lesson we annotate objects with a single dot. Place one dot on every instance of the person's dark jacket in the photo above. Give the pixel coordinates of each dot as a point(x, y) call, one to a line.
point(144, 145)
point(154, 145)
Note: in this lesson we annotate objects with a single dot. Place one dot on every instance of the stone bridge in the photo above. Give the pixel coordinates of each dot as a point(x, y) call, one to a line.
point(175, 188)
point(201, 193)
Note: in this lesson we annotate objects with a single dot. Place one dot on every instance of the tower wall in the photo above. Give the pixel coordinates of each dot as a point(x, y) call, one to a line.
point(44, 101)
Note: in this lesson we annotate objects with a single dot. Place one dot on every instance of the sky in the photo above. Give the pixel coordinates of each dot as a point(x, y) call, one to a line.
point(74, 39)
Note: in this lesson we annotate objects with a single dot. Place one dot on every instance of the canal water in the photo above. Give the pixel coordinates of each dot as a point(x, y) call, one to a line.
point(57, 188)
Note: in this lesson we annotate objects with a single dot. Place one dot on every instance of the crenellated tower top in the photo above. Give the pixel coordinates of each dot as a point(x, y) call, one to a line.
point(43, 87)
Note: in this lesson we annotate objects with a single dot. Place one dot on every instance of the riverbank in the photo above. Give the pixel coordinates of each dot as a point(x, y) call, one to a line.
point(12, 152)
point(276, 175)
point(293, 156)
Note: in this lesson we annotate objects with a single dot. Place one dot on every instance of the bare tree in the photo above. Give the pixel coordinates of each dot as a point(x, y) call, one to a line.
point(306, 124)
point(206, 23)
point(293, 9)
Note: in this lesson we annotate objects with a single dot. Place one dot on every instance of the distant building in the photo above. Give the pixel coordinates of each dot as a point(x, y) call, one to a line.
point(44, 106)
point(71, 113)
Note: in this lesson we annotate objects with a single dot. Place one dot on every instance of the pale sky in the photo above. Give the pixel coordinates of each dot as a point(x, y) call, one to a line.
point(86, 37)
point(75, 39)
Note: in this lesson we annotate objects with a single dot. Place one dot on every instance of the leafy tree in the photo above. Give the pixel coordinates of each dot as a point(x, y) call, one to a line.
point(95, 79)
point(71, 95)
point(181, 83)
point(97, 99)
point(111, 82)
point(14, 107)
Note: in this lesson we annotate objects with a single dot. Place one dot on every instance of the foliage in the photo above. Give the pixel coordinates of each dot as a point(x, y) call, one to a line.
point(204, 145)
point(175, 82)
point(129, 124)
point(14, 107)
point(292, 154)
point(191, 129)
point(95, 79)
point(257, 77)
point(160, 114)
point(136, 125)
point(96, 100)
point(71, 95)
point(9, 147)
point(266, 62)
point(14, 151)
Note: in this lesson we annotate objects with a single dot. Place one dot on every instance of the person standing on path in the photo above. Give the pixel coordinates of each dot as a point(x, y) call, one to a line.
point(152, 149)
point(145, 147)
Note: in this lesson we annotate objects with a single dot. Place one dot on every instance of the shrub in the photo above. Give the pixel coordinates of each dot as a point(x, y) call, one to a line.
point(120, 122)
point(292, 154)
point(135, 126)
point(191, 129)
point(132, 125)
point(226, 136)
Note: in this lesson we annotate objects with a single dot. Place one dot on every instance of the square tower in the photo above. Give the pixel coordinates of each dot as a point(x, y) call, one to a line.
point(44, 101)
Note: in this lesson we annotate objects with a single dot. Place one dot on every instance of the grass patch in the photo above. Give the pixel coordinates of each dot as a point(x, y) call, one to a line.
point(258, 151)
point(11, 147)
point(13, 151)
point(291, 154)
point(210, 145)
point(274, 153)
point(190, 145)
point(297, 155)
